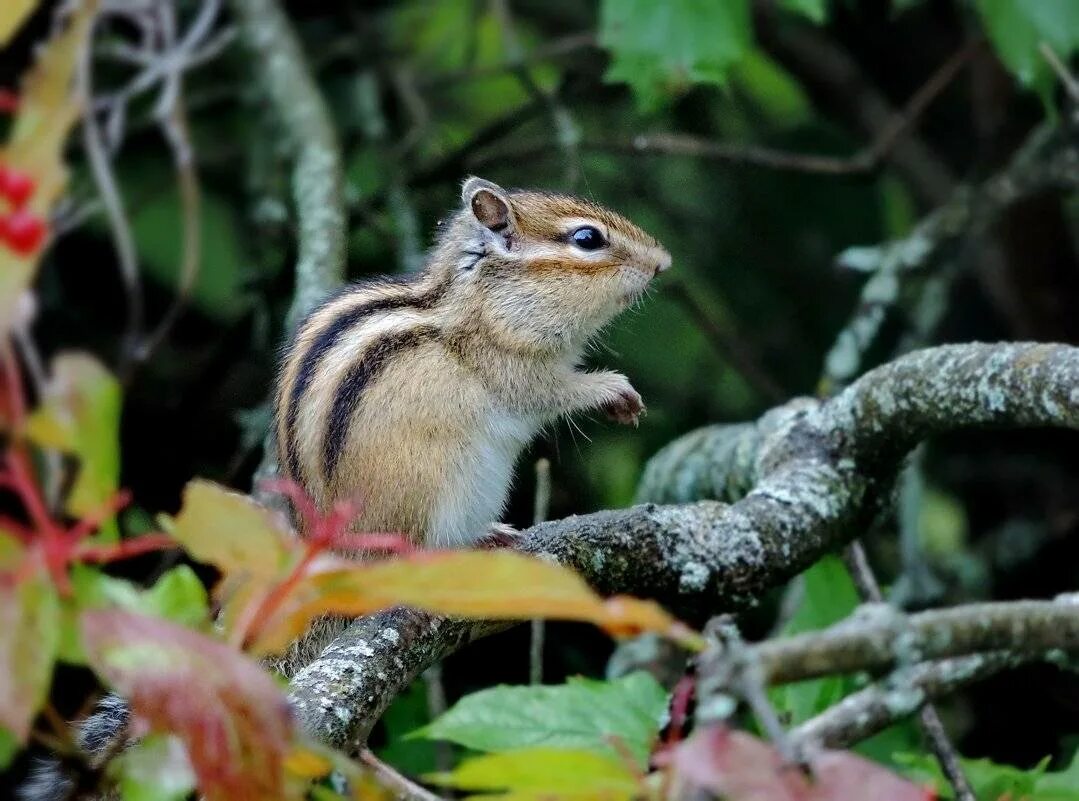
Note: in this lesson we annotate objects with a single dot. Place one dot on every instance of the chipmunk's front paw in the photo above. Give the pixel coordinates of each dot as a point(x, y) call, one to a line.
point(624, 405)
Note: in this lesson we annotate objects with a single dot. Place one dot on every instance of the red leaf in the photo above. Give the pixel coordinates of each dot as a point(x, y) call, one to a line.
point(741, 767)
point(843, 775)
point(230, 714)
point(737, 766)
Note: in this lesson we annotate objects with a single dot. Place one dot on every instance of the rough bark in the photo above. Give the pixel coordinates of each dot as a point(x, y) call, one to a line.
point(817, 470)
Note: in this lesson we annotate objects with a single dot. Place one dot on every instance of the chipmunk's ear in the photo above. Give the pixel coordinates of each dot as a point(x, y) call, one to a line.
point(488, 203)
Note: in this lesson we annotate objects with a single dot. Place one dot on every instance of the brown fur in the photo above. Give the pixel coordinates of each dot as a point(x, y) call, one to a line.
point(509, 322)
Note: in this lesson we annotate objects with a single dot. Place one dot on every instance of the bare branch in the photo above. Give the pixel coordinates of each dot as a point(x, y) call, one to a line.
point(403, 788)
point(928, 720)
point(879, 637)
point(1047, 160)
point(317, 183)
point(864, 713)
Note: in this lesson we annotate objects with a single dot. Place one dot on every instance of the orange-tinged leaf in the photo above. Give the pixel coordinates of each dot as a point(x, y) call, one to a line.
point(48, 108)
point(482, 584)
point(230, 531)
point(232, 718)
point(29, 639)
point(13, 14)
point(80, 415)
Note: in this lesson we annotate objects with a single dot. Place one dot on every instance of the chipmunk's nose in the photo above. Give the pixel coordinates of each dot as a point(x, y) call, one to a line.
point(663, 263)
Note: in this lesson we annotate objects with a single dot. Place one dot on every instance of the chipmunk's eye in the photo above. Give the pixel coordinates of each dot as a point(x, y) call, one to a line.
point(588, 238)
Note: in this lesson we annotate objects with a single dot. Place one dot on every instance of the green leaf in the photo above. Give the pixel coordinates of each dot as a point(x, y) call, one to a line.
point(1018, 27)
point(774, 91)
point(9, 747)
point(828, 596)
point(544, 773)
point(581, 714)
point(177, 596)
point(11, 551)
point(80, 415)
point(994, 780)
point(662, 48)
point(230, 531)
point(1062, 785)
point(220, 289)
point(29, 638)
point(155, 769)
point(409, 711)
point(816, 10)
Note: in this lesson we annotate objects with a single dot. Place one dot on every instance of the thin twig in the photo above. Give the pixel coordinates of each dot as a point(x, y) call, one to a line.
point(732, 348)
point(119, 223)
point(866, 712)
point(404, 789)
point(175, 127)
point(540, 508)
point(554, 49)
point(838, 82)
point(436, 707)
point(567, 131)
point(866, 161)
point(1067, 78)
point(928, 718)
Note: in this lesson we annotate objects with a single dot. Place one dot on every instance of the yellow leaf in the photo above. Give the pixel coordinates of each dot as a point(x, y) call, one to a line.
point(13, 14)
point(307, 764)
point(544, 774)
point(80, 414)
point(230, 531)
point(48, 108)
point(481, 584)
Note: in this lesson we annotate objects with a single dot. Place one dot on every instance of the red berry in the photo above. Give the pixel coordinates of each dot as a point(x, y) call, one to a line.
point(22, 231)
point(16, 185)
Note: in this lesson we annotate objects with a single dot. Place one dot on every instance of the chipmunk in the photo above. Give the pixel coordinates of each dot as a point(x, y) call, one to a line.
point(414, 396)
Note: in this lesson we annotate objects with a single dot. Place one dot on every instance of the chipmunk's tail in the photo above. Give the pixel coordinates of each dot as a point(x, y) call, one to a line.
point(50, 780)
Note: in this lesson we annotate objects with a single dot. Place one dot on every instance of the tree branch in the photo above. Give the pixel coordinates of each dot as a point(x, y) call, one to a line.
point(317, 183)
point(317, 186)
point(1048, 159)
point(818, 468)
point(879, 637)
point(864, 713)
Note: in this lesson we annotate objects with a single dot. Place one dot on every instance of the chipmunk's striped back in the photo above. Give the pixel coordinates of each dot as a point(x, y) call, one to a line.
point(338, 349)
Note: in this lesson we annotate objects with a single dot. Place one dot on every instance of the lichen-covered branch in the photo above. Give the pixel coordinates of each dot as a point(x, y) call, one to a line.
point(317, 172)
point(1049, 159)
point(879, 636)
point(866, 712)
point(817, 469)
point(317, 184)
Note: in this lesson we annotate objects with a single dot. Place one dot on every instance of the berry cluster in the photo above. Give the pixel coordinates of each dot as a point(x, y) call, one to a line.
point(21, 230)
